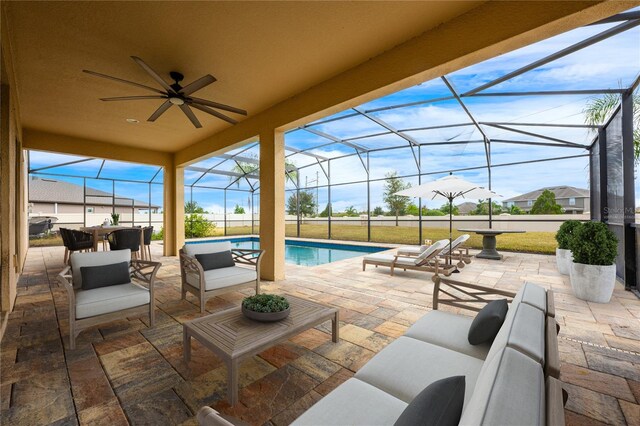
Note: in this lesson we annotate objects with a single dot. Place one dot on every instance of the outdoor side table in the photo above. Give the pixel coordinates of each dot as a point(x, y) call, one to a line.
point(233, 337)
point(489, 242)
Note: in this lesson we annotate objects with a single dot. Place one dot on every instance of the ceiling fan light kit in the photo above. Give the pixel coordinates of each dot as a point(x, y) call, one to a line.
point(175, 94)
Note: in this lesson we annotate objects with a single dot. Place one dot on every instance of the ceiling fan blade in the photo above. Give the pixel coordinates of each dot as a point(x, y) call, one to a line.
point(97, 74)
point(198, 84)
point(219, 106)
point(165, 106)
point(153, 74)
point(132, 98)
point(214, 113)
point(187, 111)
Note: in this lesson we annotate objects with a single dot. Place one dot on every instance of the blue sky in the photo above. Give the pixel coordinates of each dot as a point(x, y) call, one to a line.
point(612, 63)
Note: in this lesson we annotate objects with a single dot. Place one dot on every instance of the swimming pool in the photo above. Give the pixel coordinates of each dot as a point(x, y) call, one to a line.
point(305, 253)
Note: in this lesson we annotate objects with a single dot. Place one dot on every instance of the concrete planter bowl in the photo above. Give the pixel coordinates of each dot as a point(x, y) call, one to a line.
point(564, 259)
point(593, 283)
point(266, 316)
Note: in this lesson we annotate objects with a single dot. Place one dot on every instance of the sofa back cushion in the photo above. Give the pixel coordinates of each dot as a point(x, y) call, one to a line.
point(203, 248)
point(98, 258)
point(510, 389)
point(533, 295)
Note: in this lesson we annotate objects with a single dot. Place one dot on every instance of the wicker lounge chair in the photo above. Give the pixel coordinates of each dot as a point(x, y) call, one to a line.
point(428, 261)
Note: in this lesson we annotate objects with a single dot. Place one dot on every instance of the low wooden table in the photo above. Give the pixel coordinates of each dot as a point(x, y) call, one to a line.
point(489, 242)
point(233, 337)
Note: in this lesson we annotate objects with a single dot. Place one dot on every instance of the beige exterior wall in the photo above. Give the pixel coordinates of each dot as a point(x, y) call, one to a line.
point(42, 209)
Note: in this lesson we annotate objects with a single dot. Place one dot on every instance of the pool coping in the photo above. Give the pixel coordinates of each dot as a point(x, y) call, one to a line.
point(311, 240)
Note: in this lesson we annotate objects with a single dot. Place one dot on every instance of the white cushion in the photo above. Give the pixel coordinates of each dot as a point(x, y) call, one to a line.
point(449, 331)
point(223, 277)
point(384, 258)
point(407, 366)
point(533, 295)
point(353, 403)
point(204, 248)
point(509, 391)
point(97, 258)
point(104, 300)
point(412, 250)
point(438, 245)
point(522, 330)
point(455, 243)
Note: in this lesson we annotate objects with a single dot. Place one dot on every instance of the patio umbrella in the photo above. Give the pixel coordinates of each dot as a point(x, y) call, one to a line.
point(449, 187)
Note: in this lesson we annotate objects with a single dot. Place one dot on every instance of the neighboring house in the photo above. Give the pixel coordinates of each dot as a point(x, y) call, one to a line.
point(465, 208)
point(50, 196)
point(572, 199)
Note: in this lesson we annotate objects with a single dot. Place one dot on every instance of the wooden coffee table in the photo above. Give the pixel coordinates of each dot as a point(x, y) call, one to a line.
point(233, 337)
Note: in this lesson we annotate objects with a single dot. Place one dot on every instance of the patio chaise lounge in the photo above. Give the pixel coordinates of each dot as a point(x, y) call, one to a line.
point(427, 261)
point(222, 274)
point(458, 251)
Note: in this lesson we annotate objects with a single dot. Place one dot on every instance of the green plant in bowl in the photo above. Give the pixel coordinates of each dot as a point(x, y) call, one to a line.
point(265, 307)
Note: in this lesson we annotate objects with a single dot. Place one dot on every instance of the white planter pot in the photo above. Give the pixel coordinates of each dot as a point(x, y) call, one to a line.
point(564, 258)
point(593, 283)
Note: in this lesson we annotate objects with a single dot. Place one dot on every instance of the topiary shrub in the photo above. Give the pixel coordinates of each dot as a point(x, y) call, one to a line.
point(594, 244)
point(265, 303)
point(566, 232)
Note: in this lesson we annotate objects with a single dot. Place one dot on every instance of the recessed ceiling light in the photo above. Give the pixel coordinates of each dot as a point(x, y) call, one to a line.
point(132, 120)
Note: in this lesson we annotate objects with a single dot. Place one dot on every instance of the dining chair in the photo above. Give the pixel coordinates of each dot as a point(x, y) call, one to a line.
point(146, 249)
point(123, 239)
point(75, 240)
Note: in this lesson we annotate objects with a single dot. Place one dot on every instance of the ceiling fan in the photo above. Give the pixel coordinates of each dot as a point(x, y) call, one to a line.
point(175, 94)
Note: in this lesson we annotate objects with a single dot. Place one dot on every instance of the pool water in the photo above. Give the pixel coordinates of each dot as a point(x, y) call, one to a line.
point(306, 253)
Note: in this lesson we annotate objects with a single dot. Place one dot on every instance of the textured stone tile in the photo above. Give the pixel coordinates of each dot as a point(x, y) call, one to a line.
point(623, 343)
point(592, 404)
point(384, 313)
point(391, 329)
point(571, 353)
point(106, 414)
point(616, 363)
point(116, 343)
point(346, 354)
point(334, 381)
point(635, 389)
point(367, 322)
point(89, 384)
point(311, 338)
point(628, 331)
point(596, 381)
point(280, 355)
point(575, 419)
point(296, 409)
point(631, 412)
point(316, 366)
point(160, 408)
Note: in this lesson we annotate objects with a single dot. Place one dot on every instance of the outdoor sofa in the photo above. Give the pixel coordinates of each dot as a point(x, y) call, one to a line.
point(511, 381)
point(205, 284)
point(427, 261)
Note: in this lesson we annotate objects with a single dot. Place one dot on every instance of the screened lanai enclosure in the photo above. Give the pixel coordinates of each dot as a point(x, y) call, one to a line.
point(514, 124)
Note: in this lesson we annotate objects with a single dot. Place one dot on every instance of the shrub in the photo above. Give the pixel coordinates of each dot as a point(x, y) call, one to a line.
point(566, 232)
point(157, 236)
point(594, 244)
point(197, 226)
point(265, 303)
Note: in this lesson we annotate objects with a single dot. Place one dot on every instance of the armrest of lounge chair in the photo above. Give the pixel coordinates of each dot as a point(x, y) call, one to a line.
point(465, 295)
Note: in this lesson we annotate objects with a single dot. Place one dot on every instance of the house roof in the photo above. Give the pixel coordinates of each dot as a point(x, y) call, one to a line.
point(466, 207)
point(45, 190)
point(559, 191)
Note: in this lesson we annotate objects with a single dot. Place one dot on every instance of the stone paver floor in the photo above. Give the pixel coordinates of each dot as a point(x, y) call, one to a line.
point(126, 373)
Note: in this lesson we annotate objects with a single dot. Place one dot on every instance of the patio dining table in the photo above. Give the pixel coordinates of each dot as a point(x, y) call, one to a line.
point(100, 231)
point(489, 241)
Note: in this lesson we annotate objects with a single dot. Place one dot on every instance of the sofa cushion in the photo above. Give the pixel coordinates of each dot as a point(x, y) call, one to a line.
point(406, 366)
point(97, 258)
point(439, 404)
point(533, 295)
point(114, 298)
point(525, 333)
point(105, 275)
point(487, 322)
point(353, 403)
point(449, 331)
point(201, 248)
point(223, 277)
point(509, 391)
point(221, 259)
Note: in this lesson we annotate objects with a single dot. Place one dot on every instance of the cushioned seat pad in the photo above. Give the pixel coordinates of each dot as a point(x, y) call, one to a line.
point(223, 277)
point(406, 366)
point(104, 300)
point(389, 258)
point(353, 403)
point(449, 331)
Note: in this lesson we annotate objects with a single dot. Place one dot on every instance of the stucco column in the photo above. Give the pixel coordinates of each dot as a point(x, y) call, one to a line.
point(173, 210)
point(272, 204)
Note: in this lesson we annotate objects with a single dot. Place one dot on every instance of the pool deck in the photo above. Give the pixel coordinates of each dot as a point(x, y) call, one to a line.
point(125, 373)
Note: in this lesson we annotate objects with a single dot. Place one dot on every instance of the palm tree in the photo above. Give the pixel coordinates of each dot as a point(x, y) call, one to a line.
point(598, 110)
point(244, 167)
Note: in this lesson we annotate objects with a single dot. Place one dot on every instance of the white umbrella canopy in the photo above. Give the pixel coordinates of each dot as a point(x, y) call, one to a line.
point(449, 187)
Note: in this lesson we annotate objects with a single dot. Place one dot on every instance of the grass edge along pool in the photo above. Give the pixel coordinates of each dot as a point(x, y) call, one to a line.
point(304, 253)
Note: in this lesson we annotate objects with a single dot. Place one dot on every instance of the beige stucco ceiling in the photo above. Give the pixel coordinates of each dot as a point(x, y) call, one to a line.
point(260, 52)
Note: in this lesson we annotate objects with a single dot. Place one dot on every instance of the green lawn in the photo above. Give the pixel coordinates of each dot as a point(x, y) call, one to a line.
point(531, 242)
